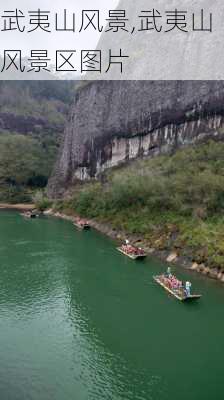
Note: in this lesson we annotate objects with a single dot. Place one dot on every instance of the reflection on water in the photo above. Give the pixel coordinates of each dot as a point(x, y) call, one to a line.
point(79, 320)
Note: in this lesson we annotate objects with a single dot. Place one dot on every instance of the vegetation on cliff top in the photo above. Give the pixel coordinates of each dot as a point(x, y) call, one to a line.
point(172, 202)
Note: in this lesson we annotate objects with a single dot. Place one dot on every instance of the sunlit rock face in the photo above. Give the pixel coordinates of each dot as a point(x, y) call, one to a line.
point(112, 122)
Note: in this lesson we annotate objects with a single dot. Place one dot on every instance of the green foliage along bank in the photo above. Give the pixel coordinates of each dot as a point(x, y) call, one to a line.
point(172, 202)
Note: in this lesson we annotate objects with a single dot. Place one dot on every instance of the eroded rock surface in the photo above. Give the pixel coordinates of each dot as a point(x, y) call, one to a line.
point(112, 122)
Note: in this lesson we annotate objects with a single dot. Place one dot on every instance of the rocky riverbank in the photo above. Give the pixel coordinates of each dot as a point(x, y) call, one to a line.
point(165, 256)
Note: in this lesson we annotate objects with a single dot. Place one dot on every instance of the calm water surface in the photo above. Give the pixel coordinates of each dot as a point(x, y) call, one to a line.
point(80, 321)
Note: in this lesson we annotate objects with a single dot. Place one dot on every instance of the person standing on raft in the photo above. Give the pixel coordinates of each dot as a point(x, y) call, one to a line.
point(168, 272)
point(188, 289)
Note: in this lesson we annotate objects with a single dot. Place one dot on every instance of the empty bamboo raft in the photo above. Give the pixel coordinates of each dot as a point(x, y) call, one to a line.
point(82, 226)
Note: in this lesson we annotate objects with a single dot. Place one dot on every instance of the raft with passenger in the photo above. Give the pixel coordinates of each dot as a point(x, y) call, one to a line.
point(133, 252)
point(81, 223)
point(175, 287)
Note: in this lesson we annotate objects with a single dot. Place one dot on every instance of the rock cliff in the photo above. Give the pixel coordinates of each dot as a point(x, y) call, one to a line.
point(112, 122)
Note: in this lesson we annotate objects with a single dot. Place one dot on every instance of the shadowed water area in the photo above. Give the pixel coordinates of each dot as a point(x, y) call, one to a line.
point(80, 321)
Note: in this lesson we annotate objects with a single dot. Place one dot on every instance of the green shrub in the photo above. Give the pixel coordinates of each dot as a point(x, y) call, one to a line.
point(41, 202)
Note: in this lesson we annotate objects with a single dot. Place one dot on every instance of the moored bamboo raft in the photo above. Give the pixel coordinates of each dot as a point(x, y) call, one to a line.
point(178, 293)
point(84, 226)
point(29, 215)
point(132, 256)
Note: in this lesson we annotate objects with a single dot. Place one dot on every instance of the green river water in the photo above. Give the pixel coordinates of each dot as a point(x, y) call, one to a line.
point(80, 321)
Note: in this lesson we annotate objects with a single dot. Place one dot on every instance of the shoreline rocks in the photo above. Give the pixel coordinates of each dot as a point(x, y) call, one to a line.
point(172, 258)
point(212, 273)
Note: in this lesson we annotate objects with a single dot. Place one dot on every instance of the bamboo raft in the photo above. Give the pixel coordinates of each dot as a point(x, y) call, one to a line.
point(132, 256)
point(29, 215)
point(178, 293)
point(83, 227)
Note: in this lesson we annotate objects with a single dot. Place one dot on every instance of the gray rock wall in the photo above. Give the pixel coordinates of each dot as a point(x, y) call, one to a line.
point(112, 122)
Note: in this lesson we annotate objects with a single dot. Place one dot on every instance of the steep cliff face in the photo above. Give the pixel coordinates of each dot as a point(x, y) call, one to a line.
point(112, 122)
